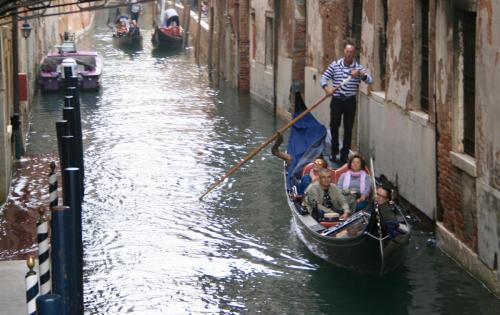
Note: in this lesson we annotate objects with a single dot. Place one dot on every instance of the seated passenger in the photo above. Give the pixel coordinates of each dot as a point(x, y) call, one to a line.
point(170, 18)
point(387, 212)
point(324, 197)
point(122, 27)
point(319, 163)
point(355, 184)
point(313, 174)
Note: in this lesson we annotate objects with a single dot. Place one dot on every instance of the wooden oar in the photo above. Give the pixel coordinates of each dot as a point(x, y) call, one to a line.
point(274, 136)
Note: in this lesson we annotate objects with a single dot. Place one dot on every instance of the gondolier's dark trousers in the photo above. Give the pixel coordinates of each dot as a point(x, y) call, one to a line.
point(346, 107)
point(134, 16)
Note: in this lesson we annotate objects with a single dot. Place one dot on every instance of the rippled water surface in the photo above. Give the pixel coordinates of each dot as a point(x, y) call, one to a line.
point(155, 137)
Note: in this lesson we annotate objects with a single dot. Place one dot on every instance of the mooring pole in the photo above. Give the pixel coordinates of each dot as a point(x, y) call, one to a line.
point(42, 230)
point(60, 251)
point(31, 287)
point(49, 304)
point(71, 197)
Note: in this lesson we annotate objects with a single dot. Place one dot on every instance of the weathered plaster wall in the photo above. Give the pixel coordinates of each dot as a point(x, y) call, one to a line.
point(488, 134)
point(5, 112)
point(367, 56)
point(284, 83)
point(403, 148)
point(314, 51)
point(399, 53)
point(314, 92)
point(387, 129)
point(261, 75)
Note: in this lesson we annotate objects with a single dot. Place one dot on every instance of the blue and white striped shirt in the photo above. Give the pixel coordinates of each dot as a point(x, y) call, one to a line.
point(338, 71)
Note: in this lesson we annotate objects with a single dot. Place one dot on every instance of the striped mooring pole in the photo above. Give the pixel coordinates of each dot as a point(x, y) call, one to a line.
point(53, 185)
point(31, 287)
point(42, 229)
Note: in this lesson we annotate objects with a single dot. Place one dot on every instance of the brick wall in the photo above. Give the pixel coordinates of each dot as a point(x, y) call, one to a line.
point(299, 50)
point(459, 216)
point(334, 18)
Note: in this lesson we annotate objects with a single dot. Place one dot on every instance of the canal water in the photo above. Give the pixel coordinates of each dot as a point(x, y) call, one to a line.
point(156, 136)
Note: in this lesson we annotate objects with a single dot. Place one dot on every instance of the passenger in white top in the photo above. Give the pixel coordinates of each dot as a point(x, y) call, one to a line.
point(170, 17)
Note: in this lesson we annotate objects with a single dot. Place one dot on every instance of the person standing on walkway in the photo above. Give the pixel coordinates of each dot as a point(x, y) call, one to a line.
point(344, 99)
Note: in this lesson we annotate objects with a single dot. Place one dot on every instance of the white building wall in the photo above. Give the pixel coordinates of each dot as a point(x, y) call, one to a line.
point(403, 148)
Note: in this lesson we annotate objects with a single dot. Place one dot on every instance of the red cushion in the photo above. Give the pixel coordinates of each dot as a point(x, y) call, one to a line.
point(329, 224)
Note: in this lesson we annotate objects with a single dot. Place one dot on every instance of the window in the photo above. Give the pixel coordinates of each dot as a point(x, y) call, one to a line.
point(380, 47)
point(424, 72)
point(357, 16)
point(269, 41)
point(383, 45)
point(468, 27)
point(254, 40)
point(464, 113)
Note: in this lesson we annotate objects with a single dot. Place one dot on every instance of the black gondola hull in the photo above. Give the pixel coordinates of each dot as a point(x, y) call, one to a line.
point(162, 40)
point(360, 254)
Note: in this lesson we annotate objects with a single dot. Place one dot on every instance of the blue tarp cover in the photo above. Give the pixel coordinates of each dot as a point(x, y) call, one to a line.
point(306, 142)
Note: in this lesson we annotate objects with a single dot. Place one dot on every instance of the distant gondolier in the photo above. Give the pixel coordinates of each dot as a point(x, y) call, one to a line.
point(171, 16)
point(135, 10)
point(344, 99)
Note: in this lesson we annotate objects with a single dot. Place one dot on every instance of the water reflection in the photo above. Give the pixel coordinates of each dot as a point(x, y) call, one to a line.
point(155, 137)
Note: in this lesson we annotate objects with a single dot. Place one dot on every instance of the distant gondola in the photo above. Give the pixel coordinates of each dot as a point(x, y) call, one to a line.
point(127, 40)
point(125, 33)
point(167, 37)
point(354, 244)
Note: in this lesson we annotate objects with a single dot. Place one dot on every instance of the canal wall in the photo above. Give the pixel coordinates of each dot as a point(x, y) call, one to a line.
point(201, 30)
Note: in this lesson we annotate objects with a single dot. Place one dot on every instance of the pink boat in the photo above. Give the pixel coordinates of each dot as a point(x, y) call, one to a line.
point(86, 64)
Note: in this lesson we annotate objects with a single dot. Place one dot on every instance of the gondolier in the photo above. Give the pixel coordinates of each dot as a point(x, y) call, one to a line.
point(135, 10)
point(343, 102)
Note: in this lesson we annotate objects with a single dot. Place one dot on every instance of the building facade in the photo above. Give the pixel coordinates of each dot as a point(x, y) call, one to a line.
point(429, 118)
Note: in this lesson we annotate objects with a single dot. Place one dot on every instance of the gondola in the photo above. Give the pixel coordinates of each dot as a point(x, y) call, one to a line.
point(167, 37)
point(127, 39)
point(126, 33)
point(358, 243)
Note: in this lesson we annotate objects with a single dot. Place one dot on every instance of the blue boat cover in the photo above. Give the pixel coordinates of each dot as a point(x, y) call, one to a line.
point(306, 142)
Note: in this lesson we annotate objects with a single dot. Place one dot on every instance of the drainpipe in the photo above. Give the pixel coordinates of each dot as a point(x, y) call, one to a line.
point(211, 39)
point(275, 57)
point(15, 120)
point(439, 208)
point(237, 33)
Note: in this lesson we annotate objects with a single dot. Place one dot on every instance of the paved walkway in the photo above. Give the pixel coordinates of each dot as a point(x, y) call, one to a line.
point(12, 291)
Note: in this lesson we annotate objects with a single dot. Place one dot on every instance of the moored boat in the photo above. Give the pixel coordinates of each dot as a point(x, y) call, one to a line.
point(87, 65)
point(359, 243)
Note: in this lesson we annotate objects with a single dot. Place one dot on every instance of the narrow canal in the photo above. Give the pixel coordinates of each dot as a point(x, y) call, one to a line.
point(155, 137)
